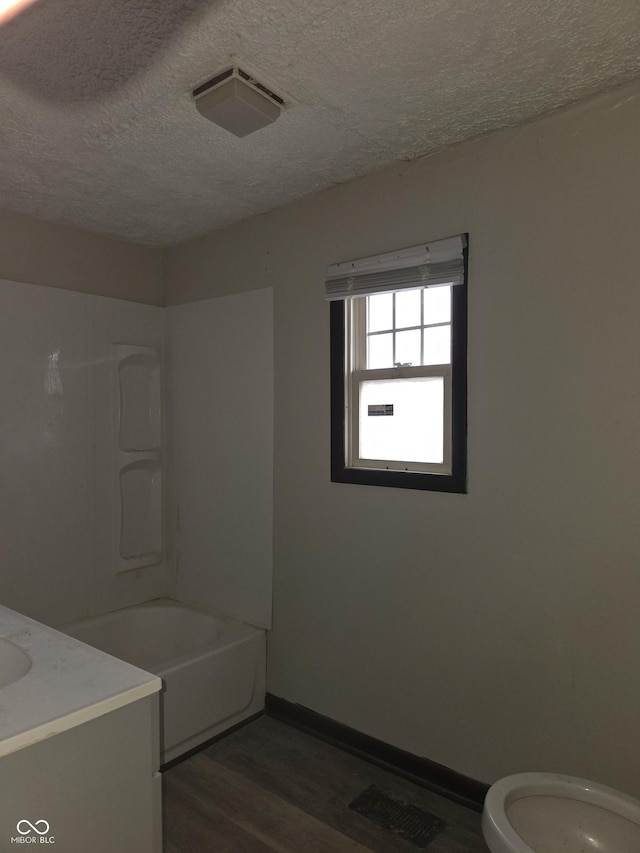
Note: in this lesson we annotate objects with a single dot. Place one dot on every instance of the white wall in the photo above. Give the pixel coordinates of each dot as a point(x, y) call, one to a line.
point(220, 412)
point(497, 631)
point(57, 400)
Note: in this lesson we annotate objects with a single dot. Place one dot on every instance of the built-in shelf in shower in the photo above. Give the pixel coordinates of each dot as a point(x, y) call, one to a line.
point(138, 457)
point(141, 507)
point(140, 425)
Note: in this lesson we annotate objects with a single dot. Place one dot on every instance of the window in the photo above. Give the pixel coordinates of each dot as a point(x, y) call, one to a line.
point(398, 368)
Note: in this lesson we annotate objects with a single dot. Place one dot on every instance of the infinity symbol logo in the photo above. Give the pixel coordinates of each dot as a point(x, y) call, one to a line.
point(32, 827)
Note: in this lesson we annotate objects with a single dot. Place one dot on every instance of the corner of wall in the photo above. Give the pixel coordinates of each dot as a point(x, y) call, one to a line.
point(34, 251)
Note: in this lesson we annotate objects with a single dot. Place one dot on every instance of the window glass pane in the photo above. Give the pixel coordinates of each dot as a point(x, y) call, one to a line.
point(414, 432)
point(379, 351)
point(408, 347)
point(407, 309)
point(437, 345)
point(380, 312)
point(437, 305)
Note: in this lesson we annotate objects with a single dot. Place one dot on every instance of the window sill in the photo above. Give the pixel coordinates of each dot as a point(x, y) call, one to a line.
point(399, 479)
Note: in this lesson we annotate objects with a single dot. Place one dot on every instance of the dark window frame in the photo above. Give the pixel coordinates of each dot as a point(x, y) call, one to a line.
point(456, 482)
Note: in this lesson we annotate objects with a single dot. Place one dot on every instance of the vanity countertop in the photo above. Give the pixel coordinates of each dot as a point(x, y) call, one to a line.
point(69, 683)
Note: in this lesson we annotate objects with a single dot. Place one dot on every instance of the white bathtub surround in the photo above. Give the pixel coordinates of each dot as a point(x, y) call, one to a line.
point(213, 668)
point(82, 461)
point(72, 366)
point(58, 518)
point(220, 415)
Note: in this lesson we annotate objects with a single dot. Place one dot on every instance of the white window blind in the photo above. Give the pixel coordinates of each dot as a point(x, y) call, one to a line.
point(427, 265)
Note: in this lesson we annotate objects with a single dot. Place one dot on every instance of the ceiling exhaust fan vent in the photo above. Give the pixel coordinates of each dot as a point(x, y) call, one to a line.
point(236, 101)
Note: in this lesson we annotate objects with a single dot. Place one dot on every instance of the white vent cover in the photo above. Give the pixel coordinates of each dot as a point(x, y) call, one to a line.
point(236, 101)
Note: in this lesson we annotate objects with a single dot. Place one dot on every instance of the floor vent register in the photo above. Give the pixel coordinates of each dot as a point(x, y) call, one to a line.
point(409, 822)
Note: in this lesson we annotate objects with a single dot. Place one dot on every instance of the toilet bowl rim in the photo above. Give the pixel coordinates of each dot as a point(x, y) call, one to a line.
point(507, 790)
point(497, 828)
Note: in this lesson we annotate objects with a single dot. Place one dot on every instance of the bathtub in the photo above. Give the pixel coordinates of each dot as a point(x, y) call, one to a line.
point(212, 667)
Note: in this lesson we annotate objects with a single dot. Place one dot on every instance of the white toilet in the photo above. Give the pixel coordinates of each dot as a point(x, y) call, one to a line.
point(546, 813)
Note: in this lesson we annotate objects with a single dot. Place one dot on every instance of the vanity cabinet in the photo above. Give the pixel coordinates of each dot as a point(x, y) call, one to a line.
point(92, 788)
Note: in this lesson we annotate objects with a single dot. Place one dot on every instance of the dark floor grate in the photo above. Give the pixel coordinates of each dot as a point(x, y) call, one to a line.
point(409, 822)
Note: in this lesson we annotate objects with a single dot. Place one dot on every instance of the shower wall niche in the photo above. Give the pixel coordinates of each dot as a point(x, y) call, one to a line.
point(138, 457)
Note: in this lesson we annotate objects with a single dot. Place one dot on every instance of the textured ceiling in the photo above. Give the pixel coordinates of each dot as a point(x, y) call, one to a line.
point(98, 128)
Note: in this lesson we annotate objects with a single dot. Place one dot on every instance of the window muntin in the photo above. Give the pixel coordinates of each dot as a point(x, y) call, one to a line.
point(408, 327)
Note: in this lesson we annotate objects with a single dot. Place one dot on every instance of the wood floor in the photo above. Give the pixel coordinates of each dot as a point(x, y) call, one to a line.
point(269, 787)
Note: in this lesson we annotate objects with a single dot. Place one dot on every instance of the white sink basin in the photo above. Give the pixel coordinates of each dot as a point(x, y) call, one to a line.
point(14, 663)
